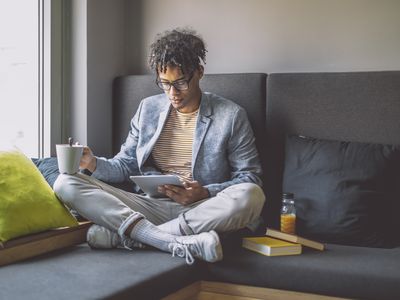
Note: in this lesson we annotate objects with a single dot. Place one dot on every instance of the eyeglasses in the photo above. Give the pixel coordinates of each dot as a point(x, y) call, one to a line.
point(180, 85)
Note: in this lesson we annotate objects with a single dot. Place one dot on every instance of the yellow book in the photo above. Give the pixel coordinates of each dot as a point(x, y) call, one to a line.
point(270, 246)
point(294, 239)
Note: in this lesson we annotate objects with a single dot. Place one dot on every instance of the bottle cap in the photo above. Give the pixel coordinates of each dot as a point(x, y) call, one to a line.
point(288, 196)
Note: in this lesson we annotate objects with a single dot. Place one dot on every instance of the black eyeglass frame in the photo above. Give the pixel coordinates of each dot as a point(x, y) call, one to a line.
point(161, 84)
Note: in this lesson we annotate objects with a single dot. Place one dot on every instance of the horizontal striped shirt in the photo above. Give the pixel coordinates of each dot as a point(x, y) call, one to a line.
point(172, 153)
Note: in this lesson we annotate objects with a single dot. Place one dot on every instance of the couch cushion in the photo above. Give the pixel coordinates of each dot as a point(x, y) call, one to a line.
point(349, 106)
point(345, 192)
point(82, 273)
point(341, 271)
point(28, 204)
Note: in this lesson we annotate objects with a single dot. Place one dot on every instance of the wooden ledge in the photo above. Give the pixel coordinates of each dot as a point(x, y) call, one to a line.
point(208, 290)
point(35, 244)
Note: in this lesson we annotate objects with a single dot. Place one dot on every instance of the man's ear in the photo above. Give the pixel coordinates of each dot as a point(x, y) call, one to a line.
point(201, 71)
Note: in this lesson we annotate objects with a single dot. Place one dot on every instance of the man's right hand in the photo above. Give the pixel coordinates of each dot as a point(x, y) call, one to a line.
point(88, 160)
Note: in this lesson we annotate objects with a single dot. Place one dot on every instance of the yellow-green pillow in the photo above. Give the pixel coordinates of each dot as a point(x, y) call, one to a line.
point(27, 202)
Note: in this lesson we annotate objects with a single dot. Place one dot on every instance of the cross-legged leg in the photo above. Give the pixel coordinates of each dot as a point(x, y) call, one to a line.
point(234, 208)
point(116, 211)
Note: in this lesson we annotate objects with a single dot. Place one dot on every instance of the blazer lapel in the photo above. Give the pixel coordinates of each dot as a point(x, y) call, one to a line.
point(161, 121)
point(203, 123)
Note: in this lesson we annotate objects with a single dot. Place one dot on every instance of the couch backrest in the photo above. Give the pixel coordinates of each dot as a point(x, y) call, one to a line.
point(128, 91)
point(352, 106)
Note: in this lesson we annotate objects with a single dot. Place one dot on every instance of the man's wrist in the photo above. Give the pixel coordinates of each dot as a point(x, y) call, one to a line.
point(92, 165)
point(207, 193)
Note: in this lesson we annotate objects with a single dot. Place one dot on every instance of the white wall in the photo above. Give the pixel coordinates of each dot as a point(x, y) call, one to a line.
point(106, 60)
point(111, 38)
point(75, 112)
point(275, 35)
point(96, 55)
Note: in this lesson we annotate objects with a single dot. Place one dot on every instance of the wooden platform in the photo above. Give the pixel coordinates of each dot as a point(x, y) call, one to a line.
point(40, 243)
point(208, 290)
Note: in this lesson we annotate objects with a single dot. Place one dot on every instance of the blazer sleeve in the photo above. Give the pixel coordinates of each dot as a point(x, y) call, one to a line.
point(242, 154)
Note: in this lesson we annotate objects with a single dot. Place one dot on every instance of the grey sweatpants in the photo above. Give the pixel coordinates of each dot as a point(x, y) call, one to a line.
point(235, 207)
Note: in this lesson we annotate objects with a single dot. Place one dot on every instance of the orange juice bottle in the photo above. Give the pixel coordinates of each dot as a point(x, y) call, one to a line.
point(288, 214)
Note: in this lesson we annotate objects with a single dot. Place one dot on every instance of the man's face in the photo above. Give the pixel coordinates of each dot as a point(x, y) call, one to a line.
point(184, 91)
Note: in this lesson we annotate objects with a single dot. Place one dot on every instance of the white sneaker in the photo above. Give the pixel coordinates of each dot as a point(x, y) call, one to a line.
point(205, 246)
point(100, 237)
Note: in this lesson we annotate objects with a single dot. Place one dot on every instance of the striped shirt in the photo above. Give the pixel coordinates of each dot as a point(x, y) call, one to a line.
point(172, 153)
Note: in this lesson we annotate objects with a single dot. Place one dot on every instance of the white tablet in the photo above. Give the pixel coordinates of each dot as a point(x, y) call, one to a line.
point(150, 183)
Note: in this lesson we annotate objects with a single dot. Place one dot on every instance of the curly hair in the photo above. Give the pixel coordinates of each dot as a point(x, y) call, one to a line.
point(181, 48)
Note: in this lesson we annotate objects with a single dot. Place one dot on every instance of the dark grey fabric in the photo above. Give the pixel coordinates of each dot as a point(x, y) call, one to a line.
point(341, 271)
point(345, 192)
point(354, 106)
point(82, 273)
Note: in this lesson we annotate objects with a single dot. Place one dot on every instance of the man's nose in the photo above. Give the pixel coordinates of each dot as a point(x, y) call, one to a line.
point(173, 90)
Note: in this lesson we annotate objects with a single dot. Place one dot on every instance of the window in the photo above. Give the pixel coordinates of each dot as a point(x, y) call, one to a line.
point(26, 57)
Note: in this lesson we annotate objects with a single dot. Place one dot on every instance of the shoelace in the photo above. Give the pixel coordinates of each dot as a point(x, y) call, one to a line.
point(127, 244)
point(183, 251)
point(130, 244)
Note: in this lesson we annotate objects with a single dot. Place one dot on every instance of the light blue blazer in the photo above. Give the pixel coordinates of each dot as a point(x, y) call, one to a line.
point(223, 154)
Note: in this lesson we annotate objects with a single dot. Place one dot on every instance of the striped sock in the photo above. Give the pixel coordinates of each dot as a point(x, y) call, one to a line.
point(147, 233)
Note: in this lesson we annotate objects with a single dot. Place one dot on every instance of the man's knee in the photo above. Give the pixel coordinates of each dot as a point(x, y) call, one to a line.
point(65, 188)
point(247, 197)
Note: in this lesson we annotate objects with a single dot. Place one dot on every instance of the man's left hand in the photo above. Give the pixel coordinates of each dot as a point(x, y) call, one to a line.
point(191, 192)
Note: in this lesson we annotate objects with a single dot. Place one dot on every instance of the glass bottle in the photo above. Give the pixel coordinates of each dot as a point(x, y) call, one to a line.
point(288, 214)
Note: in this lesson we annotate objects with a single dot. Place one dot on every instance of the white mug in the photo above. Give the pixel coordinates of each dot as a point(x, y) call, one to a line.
point(68, 158)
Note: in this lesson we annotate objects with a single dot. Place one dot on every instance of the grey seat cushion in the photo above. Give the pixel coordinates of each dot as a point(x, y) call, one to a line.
point(82, 273)
point(341, 271)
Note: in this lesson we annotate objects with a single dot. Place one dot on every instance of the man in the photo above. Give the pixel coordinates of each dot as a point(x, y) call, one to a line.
point(204, 139)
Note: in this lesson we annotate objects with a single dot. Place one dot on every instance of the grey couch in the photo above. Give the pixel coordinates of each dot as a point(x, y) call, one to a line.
point(358, 106)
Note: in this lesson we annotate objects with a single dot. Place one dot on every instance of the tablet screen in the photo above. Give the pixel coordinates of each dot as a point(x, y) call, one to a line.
point(150, 183)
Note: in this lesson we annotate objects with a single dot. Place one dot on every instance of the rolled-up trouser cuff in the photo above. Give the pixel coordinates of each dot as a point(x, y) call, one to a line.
point(128, 222)
point(184, 225)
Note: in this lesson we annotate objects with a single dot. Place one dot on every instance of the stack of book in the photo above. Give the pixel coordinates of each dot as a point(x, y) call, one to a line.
point(278, 243)
point(270, 246)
